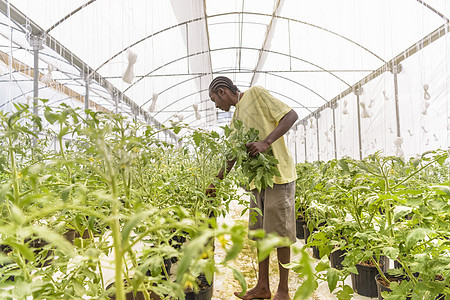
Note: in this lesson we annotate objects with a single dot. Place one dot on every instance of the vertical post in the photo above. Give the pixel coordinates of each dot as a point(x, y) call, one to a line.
point(86, 95)
point(116, 100)
point(304, 131)
point(395, 70)
point(36, 43)
point(35, 80)
point(358, 91)
point(295, 144)
point(317, 115)
point(333, 107)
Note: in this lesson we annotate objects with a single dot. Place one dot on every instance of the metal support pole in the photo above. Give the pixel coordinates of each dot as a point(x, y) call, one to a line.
point(317, 129)
point(35, 81)
point(36, 43)
point(116, 100)
point(395, 70)
point(304, 131)
point(295, 144)
point(86, 96)
point(358, 91)
point(333, 107)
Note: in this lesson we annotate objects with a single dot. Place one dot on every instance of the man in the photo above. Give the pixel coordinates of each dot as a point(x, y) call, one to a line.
point(258, 109)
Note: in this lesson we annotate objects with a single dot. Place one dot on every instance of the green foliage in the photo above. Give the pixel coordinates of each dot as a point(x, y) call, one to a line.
point(381, 206)
point(122, 192)
point(259, 169)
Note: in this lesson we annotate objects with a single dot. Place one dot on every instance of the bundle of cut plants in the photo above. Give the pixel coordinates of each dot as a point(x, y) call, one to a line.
point(259, 169)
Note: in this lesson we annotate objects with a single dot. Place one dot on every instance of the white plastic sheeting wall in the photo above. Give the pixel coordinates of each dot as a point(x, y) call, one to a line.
point(424, 121)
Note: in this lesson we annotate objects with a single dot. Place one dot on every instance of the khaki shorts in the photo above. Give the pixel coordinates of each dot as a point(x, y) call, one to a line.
point(277, 205)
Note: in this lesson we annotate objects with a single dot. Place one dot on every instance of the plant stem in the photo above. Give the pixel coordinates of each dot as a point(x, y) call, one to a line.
point(355, 203)
point(43, 185)
point(387, 202)
point(379, 269)
point(14, 173)
point(414, 173)
point(408, 271)
point(23, 266)
point(115, 227)
point(63, 154)
point(91, 235)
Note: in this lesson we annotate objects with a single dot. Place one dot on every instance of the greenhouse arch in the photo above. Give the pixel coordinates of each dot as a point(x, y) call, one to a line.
point(167, 149)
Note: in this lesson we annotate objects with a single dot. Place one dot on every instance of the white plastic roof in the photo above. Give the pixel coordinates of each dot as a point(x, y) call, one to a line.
point(304, 52)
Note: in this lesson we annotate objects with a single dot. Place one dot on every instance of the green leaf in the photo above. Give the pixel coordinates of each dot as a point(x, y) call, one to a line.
point(66, 192)
point(415, 236)
point(17, 215)
point(23, 249)
point(309, 285)
point(54, 238)
point(64, 131)
point(132, 222)
point(266, 245)
point(416, 162)
point(215, 135)
point(401, 211)
point(345, 294)
point(391, 252)
point(197, 136)
point(50, 116)
point(193, 248)
point(237, 237)
point(322, 265)
point(332, 279)
point(443, 189)
point(176, 129)
point(353, 269)
point(241, 279)
point(344, 165)
point(209, 270)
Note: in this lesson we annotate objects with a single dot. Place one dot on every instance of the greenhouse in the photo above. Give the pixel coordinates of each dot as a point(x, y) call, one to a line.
point(145, 144)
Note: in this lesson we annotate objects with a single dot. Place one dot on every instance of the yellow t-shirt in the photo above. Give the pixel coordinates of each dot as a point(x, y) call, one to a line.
point(260, 110)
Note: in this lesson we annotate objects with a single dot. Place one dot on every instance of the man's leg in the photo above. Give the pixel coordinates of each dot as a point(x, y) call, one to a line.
point(262, 288)
point(284, 257)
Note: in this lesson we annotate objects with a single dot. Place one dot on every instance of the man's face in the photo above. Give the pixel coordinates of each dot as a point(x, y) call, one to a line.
point(219, 99)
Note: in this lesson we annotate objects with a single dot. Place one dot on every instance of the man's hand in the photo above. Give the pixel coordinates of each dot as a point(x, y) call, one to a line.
point(211, 190)
point(257, 147)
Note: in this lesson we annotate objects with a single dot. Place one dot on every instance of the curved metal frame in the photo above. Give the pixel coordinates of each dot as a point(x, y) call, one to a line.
point(206, 18)
point(209, 114)
point(69, 15)
point(230, 13)
point(233, 13)
point(203, 101)
point(227, 70)
point(230, 48)
point(276, 75)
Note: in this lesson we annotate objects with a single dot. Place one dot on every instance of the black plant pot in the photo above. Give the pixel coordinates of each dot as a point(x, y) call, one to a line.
point(336, 259)
point(381, 286)
point(205, 293)
point(299, 227)
point(72, 234)
point(364, 283)
point(307, 233)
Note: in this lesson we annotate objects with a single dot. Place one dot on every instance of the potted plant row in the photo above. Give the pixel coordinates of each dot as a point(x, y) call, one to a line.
point(380, 209)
